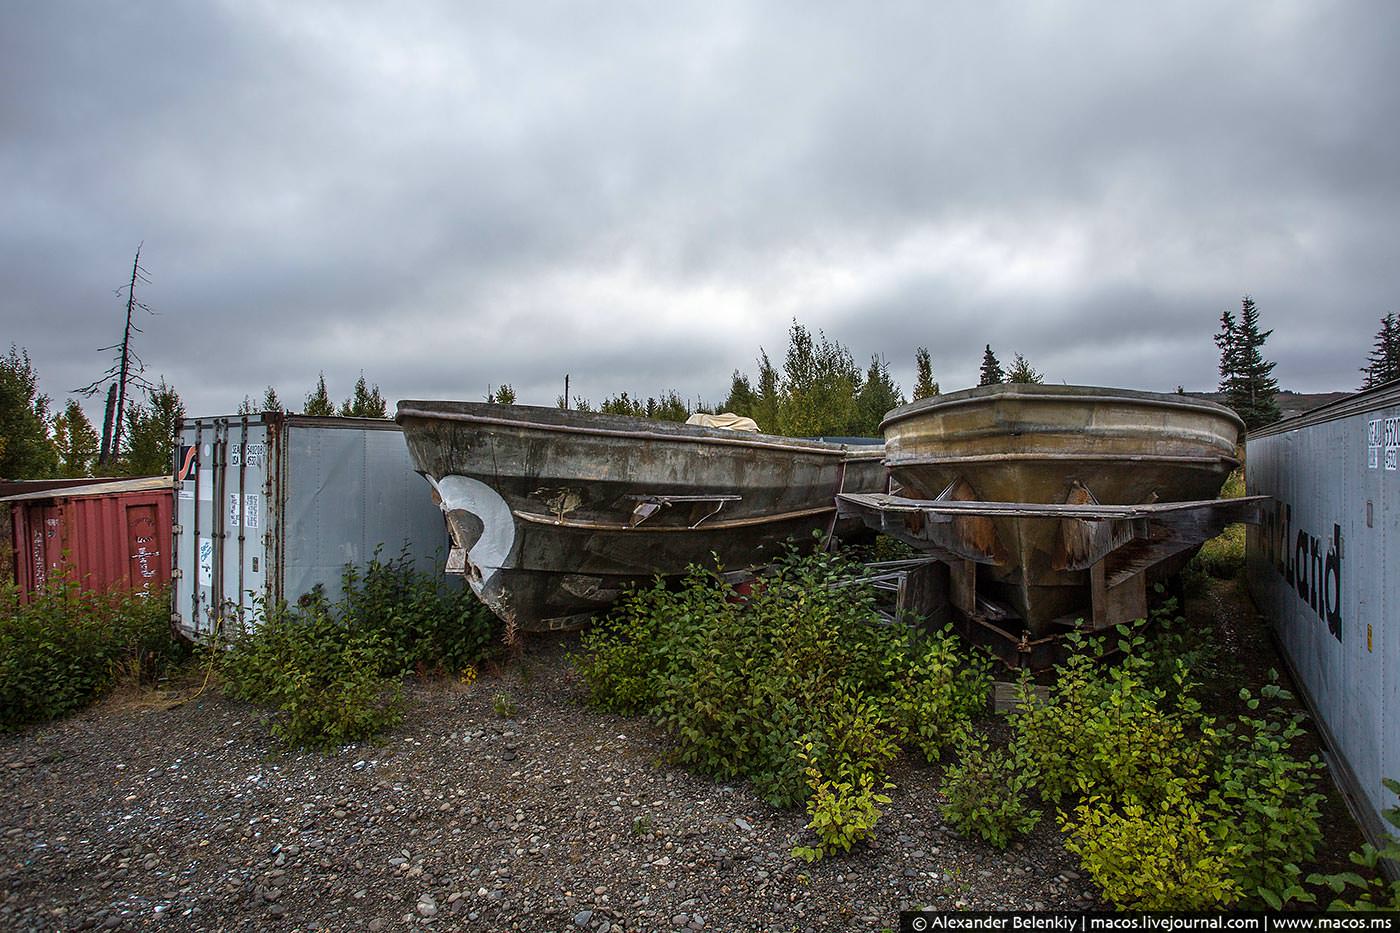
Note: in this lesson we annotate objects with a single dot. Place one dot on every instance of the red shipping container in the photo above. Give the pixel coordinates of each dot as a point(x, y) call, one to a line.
point(105, 535)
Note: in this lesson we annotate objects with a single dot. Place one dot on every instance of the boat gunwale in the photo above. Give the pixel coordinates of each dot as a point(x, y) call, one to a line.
point(1054, 395)
point(931, 460)
point(790, 445)
point(535, 518)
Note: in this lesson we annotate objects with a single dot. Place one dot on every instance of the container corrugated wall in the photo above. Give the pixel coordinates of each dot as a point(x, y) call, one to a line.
point(113, 535)
point(1325, 569)
point(271, 506)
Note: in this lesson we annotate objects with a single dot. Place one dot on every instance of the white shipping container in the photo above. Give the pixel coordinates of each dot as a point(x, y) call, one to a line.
point(1324, 567)
point(269, 506)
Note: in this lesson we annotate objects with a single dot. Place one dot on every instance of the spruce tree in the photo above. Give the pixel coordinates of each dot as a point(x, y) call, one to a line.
point(1246, 377)
point(991, 369)
point(878, 395)
point(75, 440)
point(1384, 363)
point(149, 442)
point(365, 402)
point(270, 400)
point(924, 386)
point(741, 396)
point(318, 401)
point(1023, 372)
point(26, 452)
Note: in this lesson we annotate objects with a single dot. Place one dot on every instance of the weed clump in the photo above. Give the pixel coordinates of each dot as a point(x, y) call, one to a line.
point(67, 646)
point(798, 686)
point(333, 671)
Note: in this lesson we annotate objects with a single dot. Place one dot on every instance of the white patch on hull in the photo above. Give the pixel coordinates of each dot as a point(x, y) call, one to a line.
point(491, 552)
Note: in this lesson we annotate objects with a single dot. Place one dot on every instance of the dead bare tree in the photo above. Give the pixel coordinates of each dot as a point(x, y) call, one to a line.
point(128, 369)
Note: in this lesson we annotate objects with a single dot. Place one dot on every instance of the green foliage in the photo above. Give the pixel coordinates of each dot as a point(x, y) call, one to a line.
point(877, 395)
point(990, 374)
point(504, 395)
point(1262, 800)
point(67, 646)
point(842, 813)
point(799, 677)
point(987, 790)
point(1246, 377)
point(324, 679)
point(937, 690)
point(924, 384)
point(1172, 810)
point(819, 384)
point(1223, 556)
point(25, 449)
point(742, 398)
point(1151, 856)
point(503, 705)
point(318, 400)
point(270, 400)
point(149, 440)
point(1112, 730)
point(331, 671)
point(1022, 372)
point(75, 441)
point(1383, 365)
point(670, 407)
point(1372, 892)
point(364, 401)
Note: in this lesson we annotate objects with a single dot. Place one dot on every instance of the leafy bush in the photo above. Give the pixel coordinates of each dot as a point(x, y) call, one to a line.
point(1222, 557)
point(987, 790)
point(798, 678)
point(843, 812)
point(1109, 730)
point(1373, 893)
point(332, 671)
point(1156, 782)
point(67, 646)
point(324, 679)
point(1265, 809)
point(1156, 856)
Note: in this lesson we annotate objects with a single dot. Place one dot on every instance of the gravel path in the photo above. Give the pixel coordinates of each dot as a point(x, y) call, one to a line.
point(560, 818)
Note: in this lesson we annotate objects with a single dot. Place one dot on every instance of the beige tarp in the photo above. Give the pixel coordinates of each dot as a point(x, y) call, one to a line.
point(728, 420)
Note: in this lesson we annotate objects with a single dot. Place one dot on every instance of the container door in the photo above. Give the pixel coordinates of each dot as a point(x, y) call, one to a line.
point(143, 544)
point(221, 487)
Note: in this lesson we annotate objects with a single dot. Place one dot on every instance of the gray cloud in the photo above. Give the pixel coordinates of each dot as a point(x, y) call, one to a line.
point(448, 198)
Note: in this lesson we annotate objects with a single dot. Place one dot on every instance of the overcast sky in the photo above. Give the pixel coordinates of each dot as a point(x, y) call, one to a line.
point(450, 196)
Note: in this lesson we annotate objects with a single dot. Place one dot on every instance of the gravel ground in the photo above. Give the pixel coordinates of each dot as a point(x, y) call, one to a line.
point(134, 815)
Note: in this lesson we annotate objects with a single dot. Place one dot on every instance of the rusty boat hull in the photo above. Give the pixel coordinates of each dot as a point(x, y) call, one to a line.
point(553, 513)
point(1021, 489)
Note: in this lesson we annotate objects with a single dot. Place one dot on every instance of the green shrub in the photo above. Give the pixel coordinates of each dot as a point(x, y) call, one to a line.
point(1264, 806)
point(1222, 557)
point(800, 676)
point(67, 646)
point(987, 790)
point(937, 691)
point(324, 680)
point(1372, 893)
point(1109, 730)
point(843, 813)
point(1158, 856)
point(332, 671)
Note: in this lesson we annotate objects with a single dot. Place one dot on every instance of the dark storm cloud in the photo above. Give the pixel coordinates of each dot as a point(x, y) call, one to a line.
point(641, 196)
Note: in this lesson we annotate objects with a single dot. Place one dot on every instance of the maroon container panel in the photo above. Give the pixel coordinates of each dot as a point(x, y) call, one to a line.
point(121, 540)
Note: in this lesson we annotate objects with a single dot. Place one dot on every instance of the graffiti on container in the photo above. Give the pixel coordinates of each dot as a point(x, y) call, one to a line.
point(145, 563)
point(1311, 566)
point(206, 562)
point(41, 575)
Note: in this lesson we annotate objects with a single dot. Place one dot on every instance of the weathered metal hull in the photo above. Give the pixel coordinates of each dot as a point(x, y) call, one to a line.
point(556, 512)
point(997, 447)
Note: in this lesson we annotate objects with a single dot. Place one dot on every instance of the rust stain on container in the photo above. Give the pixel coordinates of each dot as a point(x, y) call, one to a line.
point(106, 535)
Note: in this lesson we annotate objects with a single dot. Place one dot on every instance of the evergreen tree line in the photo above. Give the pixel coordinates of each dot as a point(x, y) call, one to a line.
point(365, 401)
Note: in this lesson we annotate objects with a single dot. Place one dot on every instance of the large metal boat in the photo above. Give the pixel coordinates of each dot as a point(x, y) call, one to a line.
point(552, 512)
point(1051, 504)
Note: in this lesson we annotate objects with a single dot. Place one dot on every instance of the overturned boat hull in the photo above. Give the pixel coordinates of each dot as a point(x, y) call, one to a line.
point(553, 513)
